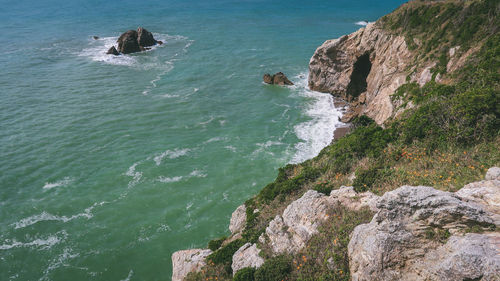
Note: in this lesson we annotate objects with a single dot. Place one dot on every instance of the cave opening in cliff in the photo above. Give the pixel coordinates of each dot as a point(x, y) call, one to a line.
point(358, 84)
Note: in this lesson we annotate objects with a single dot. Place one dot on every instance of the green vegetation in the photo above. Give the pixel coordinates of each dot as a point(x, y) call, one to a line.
point(216, 243)
point(245, 274)
point(225, 254)
point(274, 269)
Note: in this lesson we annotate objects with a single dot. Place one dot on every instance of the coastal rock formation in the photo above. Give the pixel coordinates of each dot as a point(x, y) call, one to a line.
point(349, 198)
point(369, 62)
point(127, 42)
point(134, 41)
point(184, 262)
point(300, 220)
point(404, 240)
point(247, 256)
point(238, 219)
point(112, 51)
point(277, 79)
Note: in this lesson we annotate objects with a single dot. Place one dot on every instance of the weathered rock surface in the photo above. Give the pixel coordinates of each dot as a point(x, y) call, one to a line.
point(493, 174)
point(145, 38)
point(112, 51)
point(398, 243)
point(370, 55)
point(247, 256)
point(300, 220)
point(347, 197)
point(184, 262)
point(238, 219)
point(127, 42)
point(135, 41)
point(277, 79)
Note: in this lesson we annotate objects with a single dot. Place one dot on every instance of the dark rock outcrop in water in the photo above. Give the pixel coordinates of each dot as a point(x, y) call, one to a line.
point(134, 41)
point(112, 51)
point(277, 79)
point(95, 37)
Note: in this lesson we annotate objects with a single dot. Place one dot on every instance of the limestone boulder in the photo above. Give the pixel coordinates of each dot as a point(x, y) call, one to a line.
point(247, 256)
point(238, 219)
point(277, 79)
point(184, 262)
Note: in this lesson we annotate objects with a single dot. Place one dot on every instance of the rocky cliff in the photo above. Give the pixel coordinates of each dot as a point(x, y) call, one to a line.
point(417, 233)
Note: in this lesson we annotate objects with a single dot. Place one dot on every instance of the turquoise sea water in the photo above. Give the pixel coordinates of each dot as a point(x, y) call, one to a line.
point(109, 165)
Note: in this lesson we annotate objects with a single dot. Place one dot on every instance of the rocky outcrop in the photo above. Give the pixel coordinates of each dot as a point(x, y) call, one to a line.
point(289, 233)
point(134, 41)
point(300, 220)
point(247, 256)
point(127, 42)
point(277, 79)
point(404, 240)
point(184, 262)
point(112, 51)
point(350, 199)
point(238, 219)
point(370, 63)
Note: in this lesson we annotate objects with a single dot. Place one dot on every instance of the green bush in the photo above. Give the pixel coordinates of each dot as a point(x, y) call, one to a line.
point(245, 274)
point(225, 254)
point(324, 187)
point(274, 269)
point(364, 179)
point(216, 243)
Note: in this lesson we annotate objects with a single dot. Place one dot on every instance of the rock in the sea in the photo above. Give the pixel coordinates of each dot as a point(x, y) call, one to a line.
point(145, 38)
point(135, 41)
point(95, 37)
point(247, 256)
point(238, 219)
point(184, 262)
point(277, 79)
point(403, 240)
point(159, 42)
point(127, 42)
point(112, 51)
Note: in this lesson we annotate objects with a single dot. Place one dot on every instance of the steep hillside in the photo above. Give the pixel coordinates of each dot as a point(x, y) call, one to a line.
point(429, 73)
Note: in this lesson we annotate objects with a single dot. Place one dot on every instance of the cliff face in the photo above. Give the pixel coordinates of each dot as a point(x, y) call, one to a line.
point(365, 68)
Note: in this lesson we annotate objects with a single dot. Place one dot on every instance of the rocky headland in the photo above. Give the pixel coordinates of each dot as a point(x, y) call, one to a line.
point(407, 193)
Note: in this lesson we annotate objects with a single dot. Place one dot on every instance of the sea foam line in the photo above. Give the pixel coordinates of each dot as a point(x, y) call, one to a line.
point(45, 216)
point(64, 182)
point(316, 133)
point(42, 243)
point(171, 154)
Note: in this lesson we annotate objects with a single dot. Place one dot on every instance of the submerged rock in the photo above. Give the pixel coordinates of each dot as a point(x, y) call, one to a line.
point(184, 262)
point(277, 79)
point(112, 51)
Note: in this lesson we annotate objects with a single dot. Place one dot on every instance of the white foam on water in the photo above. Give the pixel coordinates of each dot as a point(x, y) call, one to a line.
point(136, 176)
point(316, 133)
point(130, 273)
point(231, 148)
point(197, 174)
point(64, 182)
point(45, 216)
point(214, 139)
point(61, 260)
point(169, 180)
point(171, 154)
point(361, 23)
point(42, 243)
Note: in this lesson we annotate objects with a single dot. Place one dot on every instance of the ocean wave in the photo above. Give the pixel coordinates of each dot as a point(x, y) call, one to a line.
point(136, 176)
point(171, 154)
point(316, 133)
point(64, 182)
point(45, 216)
point(361, 23)
point(42, 243)
point(193, 174)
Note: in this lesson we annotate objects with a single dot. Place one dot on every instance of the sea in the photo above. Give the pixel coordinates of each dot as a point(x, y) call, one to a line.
point(110, 164)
